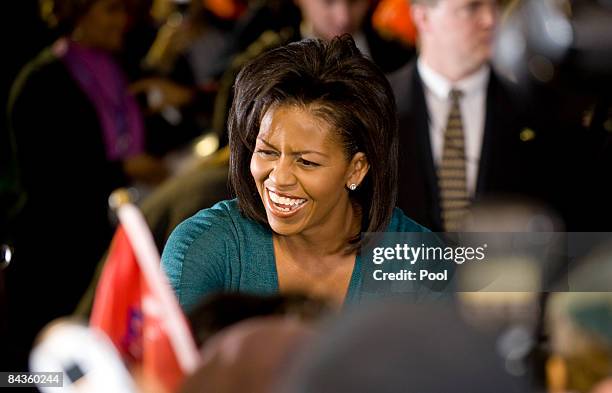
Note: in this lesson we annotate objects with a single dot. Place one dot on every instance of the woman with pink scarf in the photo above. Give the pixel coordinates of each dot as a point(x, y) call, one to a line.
point(79, 135)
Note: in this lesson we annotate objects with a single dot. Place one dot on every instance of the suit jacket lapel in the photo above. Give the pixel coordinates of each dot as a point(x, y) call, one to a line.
point(421, 123)
point(491, 124)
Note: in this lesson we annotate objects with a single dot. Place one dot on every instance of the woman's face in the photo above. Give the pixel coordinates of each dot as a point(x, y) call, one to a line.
point(301, 172)
point(103, 26)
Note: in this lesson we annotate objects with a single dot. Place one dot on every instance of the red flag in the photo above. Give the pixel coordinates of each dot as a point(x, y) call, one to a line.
point(134, 305)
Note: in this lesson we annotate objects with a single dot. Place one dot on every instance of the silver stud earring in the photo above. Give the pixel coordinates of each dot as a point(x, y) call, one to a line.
point(353, 186)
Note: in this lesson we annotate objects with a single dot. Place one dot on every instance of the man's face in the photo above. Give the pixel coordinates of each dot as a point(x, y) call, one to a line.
point(330, 18)
point(460, 30)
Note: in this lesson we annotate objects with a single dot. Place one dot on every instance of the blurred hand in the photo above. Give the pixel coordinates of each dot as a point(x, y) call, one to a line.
point(162, 93)
point(603, 387)
point(146, 169)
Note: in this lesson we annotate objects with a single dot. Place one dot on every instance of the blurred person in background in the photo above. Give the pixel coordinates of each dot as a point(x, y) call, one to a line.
point(564, 74)
point(78, 136)
point(25, 24)
point(180, 72)
point(313, 146)
point(465, 134)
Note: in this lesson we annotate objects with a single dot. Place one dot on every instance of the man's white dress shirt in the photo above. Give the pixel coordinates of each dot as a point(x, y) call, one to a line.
point(473, 111)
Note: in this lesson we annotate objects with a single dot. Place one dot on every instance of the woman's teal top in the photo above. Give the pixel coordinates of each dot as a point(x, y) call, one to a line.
point(218, 249)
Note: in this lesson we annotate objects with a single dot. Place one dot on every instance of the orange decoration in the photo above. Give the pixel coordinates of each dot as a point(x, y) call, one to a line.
point(393, 17)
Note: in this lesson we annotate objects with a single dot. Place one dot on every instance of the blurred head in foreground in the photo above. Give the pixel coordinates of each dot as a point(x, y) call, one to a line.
point(250, 356)
point(402, 347)
point(220, 311)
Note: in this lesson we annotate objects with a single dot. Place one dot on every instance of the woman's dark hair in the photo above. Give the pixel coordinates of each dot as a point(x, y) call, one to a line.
point(335, 82)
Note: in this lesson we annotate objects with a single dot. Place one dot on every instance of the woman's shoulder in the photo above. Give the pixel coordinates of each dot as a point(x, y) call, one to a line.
point(225, 212)
point(44, 70)
point(217, 225)
point(400, 222)
point(47, 60)
point(45, 83)
point(209, 251)
point(218, 217)
point(197, 253)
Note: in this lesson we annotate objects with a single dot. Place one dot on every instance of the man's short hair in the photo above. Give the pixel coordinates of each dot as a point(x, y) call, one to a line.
point(341, 86)
point(425, 2)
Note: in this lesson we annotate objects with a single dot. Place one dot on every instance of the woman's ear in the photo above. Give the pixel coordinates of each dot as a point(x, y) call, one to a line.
point(358, 169)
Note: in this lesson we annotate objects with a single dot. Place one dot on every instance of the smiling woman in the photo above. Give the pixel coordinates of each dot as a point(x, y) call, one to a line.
point(300, 171)
point(313, 139)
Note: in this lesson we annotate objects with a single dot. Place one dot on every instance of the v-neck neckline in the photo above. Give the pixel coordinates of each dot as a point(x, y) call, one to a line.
point(352, 292)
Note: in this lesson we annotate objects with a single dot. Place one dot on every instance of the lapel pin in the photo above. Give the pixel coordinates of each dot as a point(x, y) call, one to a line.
point(527, 134)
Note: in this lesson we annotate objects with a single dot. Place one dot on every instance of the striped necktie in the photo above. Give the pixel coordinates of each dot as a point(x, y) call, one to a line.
point(452, 180)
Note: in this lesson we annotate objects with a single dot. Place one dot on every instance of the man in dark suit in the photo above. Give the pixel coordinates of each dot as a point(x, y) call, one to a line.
point(463, 135)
